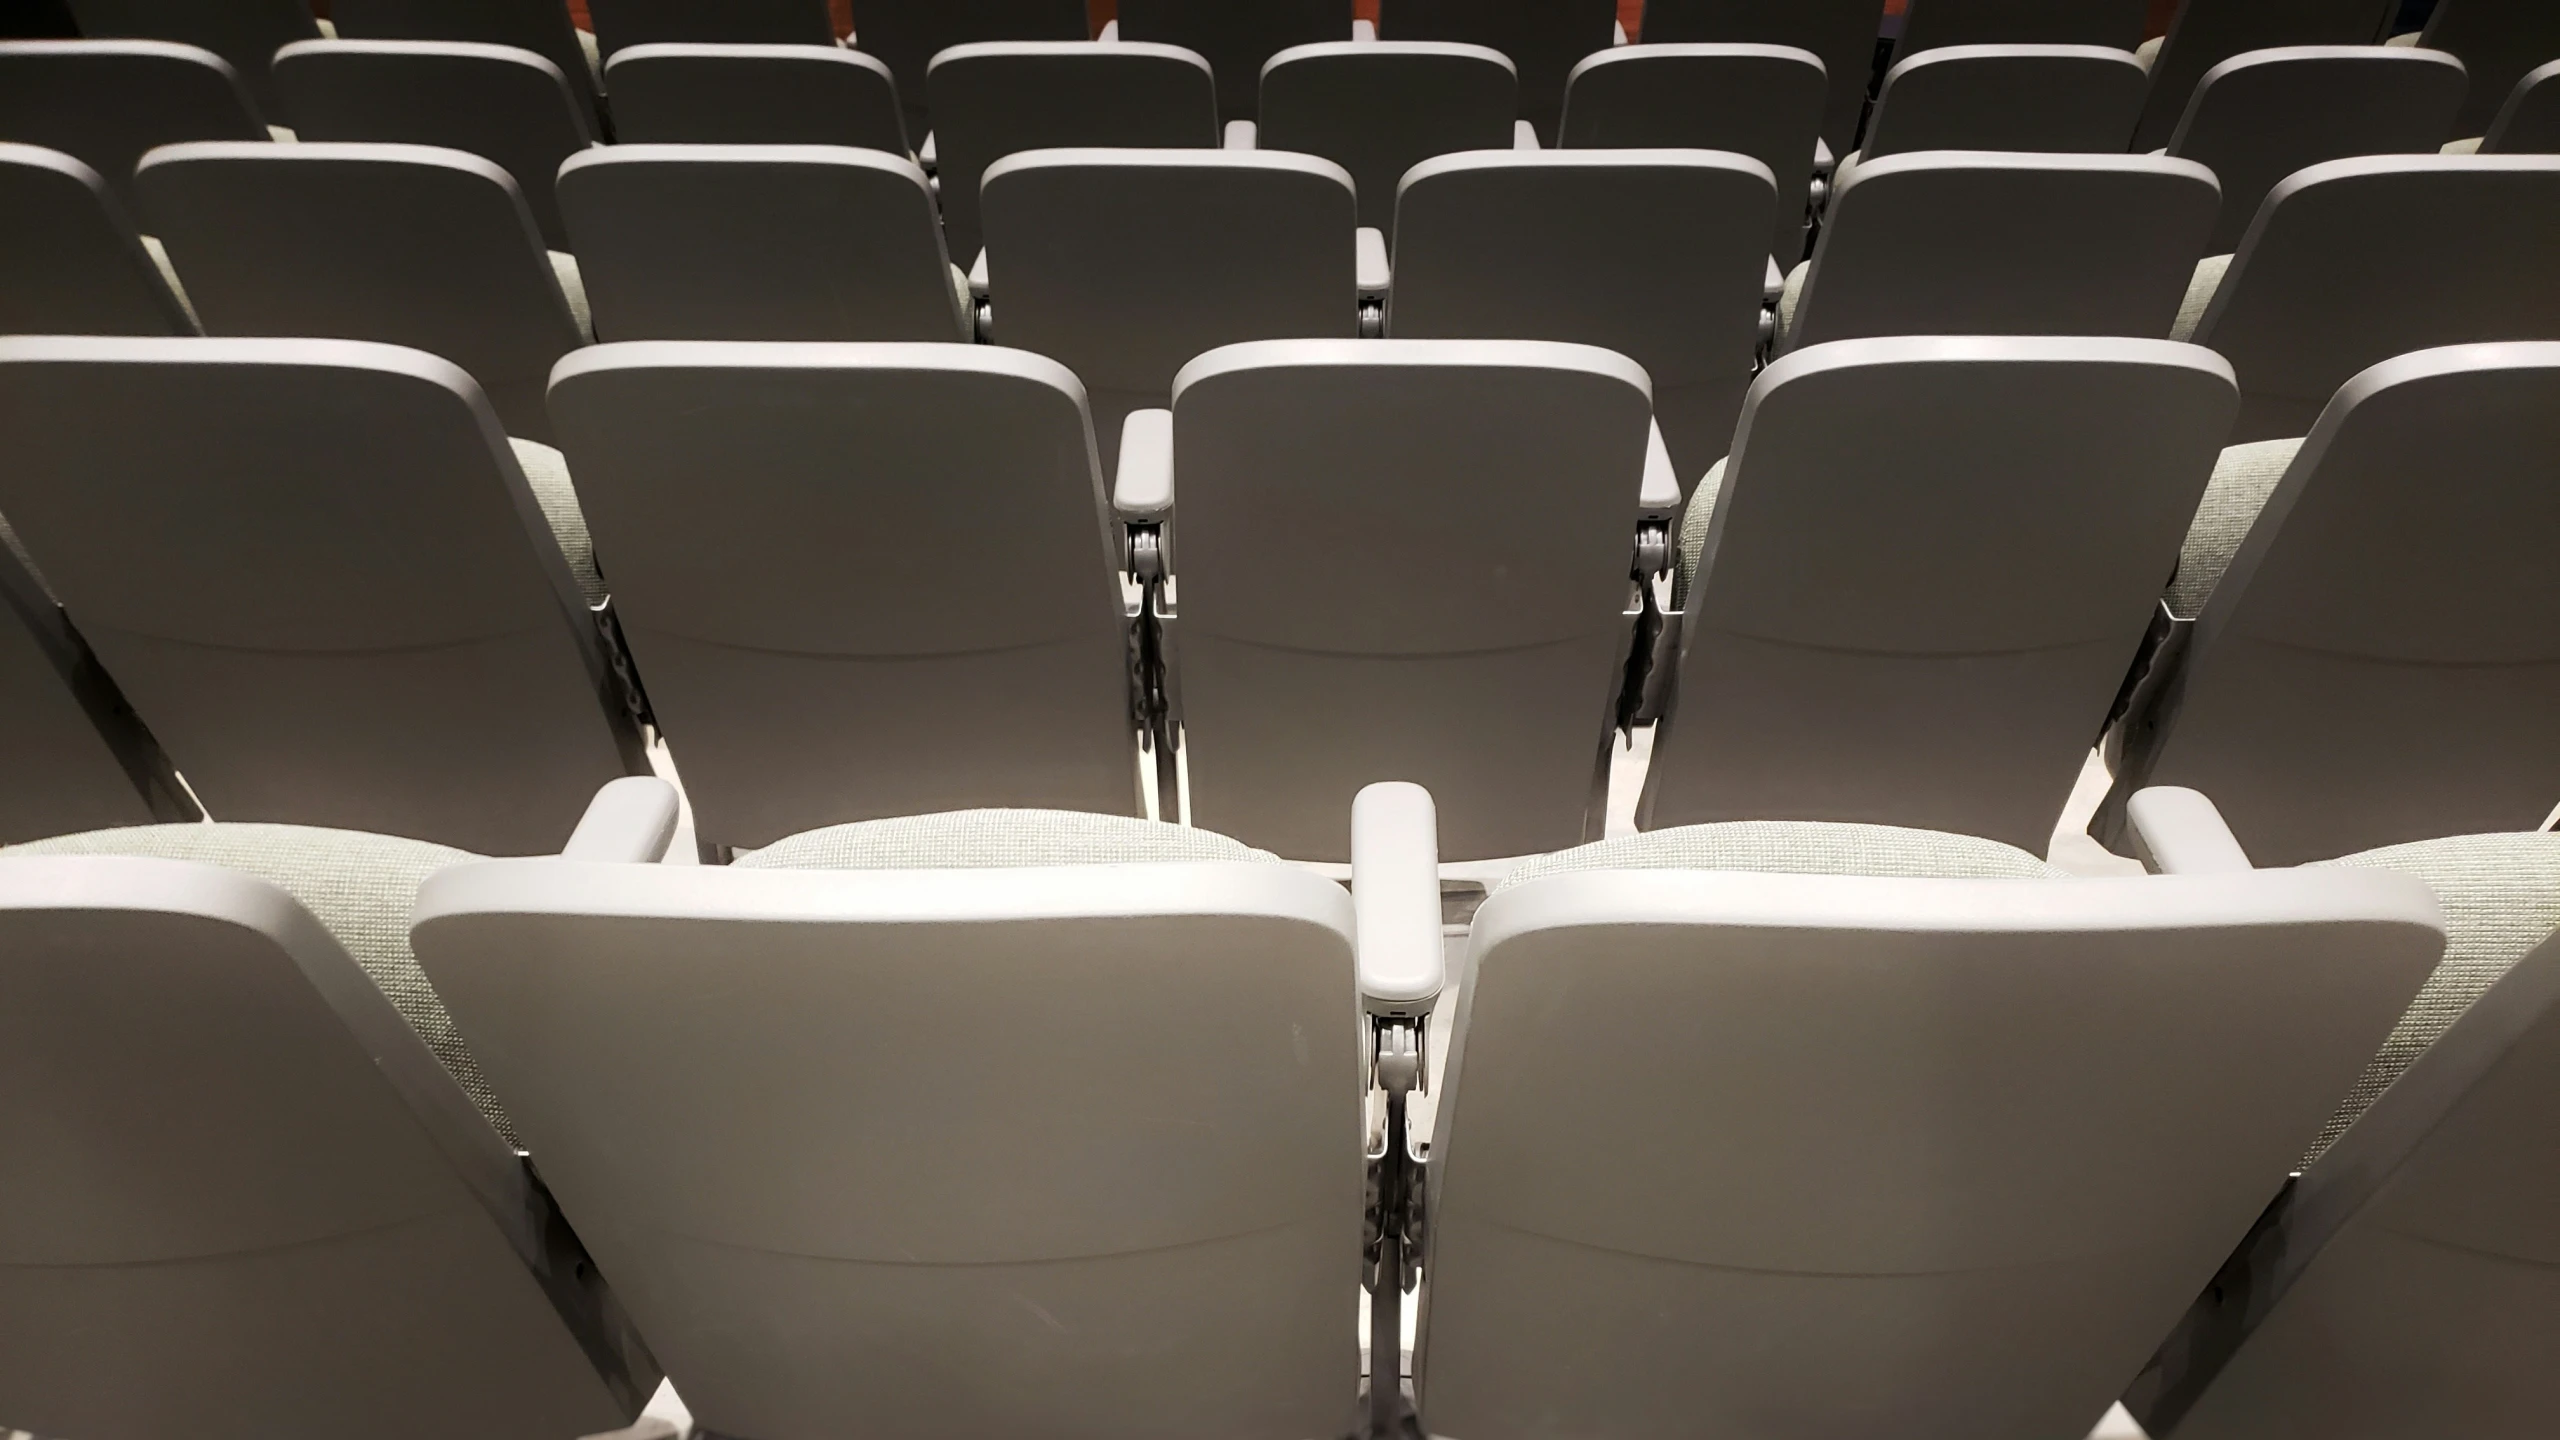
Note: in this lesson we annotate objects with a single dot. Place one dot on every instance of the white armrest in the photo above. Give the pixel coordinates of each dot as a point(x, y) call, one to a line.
point(1364, 30)
point(1395, 897)
point(1524, 136)
point(1143, 490)
point(1240, 134)
point(1660, 497)
point(1773, 283)
point(1370, 270)
point(2177, 831)
point(630, 822)
point(978, 275)
point(1110, 31)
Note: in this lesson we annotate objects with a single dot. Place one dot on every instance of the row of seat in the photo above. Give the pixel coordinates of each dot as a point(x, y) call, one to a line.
point(1044, 1125)
point(871, 580)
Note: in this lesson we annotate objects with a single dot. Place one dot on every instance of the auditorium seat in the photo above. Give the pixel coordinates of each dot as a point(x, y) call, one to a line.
point(1236, 37)
point(541, 26)
point(1000, 1123)
point(1378, 108)
point(862, 580)
point(404, 244)
point(2006, 97)
point(1656, 254)
point(2365, 624)
point(2529, 123)
point(2498, 43)
point(909, 33)
point(2204, 33)
point(321, 575)
point(2259, 117)
point(74, 263)
point(1932, 24)
point(1545, 40)
point(1911, 593)
point(1906, 1133)
point(726, 22)
point(2403, 1285)
point(108, 101)
point(245, 33)
point(755, 95)
point(257, 1188)
point(511, 107)
point(992, 100)
point(80, 759)
point(1764, 101)
point(1957, 242)
point(1124, 264)
point(760, 242)
point(1842, 33)
point(2351, 262)
point(1400, 560)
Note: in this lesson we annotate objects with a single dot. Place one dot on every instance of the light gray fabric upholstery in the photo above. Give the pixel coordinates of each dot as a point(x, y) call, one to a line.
point(2498, 42)
point(621, 23)
point(1378, 109)
point(2205, 33)
point(1791, 297)
point(991, 101)
point(403, 244)
point(2199, 296)
point(997, 839)
point(573, 288)
point(2007, 97)
point(1544, 38)
point(360, 887)
point(1694, 522)
point(2529, 123)
point(760, 242)
point(1236, 37)
point(541, 27)
point(1798, 847)
point(1931, 24)
point(511, 107)
point(159, 254)
point(1841, 33)
point(2259, 117)
point(2501, 898)
point(1764, 101)
point(547, 471)
point(245, 33)
point(109, 101)
point(73, 262)
point(672, 94)
point(2242, 480)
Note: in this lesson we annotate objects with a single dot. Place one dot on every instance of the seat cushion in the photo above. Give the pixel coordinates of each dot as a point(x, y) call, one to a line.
point(2200, 287)
point(546, 471)
point(994, 840)
point(2242, 480)
point(1799, 847)
point(2501, 898)
point(1701, 512)
point(1789, 298)
point(360, 887)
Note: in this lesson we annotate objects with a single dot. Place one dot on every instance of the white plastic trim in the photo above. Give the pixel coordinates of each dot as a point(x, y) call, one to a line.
point(631, 822)
point(1143, 490)
point(2179, 832)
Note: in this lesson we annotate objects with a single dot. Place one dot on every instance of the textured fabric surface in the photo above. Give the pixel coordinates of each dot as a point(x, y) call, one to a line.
point(1789, 298)
point(2149, 50)
point(1799, 847)
point(2200, 288)
point(573, 288)
point(594, 52)
point(994, 840)
point(2501, 898)
point(2470, 146)
point(169, 275)
point(2242, 480)
point(546, 471)
point(360, 887)
point(1693, 532)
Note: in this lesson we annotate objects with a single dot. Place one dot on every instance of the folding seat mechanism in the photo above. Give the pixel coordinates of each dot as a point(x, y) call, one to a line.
point(1148, 692)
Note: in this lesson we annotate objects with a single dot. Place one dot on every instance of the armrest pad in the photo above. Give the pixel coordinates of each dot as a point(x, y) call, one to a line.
point(1395, 897)
point(2178, 832)
point(1369, 267)
point(630, 822)
point(1143, 490)
point(1364, 30)
point(1660, 497)
point(1241, 134)
point(978, 275)
point(1524, 136)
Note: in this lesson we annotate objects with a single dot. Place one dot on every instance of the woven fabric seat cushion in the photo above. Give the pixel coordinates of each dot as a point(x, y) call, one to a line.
point(997, 839)
point(1789, 298)
point(1694, 520)
point(546, 471)
point(1799, 847)
point(2200, 288)
point(360, 887)
point(2501, 899)
point(573, 288)
point(2242, 480)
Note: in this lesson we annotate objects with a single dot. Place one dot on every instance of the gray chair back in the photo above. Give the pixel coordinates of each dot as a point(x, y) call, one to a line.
point(1377, 109)
point(2204, 33)
point(2529, 123)
point(729, 22)
point(1841, 32)
point(1930, 24)
point(85, 762)
point(693, 94)
point(2498, 43)
point(2007, 97)
point(76, 267)
point(245, 33)
point(1236, 37)
point(541, 26)
point(109, 101)
point(907, 34)
point(1545, 39)
point(1764, 101)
